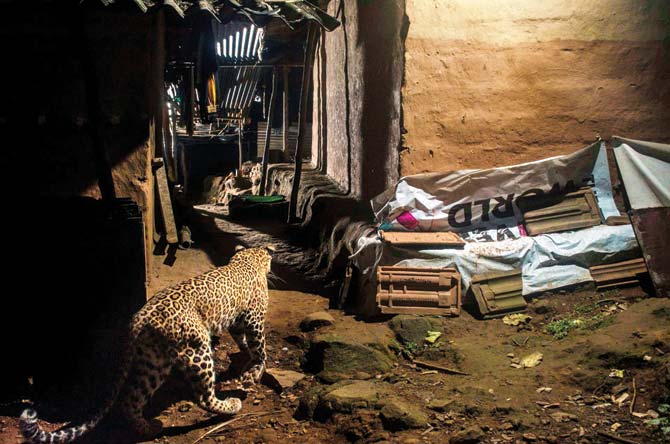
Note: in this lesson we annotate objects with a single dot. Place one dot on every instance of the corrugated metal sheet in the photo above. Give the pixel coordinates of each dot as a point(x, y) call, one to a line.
point(289, 11)
point(645, 173)
point(238, 89)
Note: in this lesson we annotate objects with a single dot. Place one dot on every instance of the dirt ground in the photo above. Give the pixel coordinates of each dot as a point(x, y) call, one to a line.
point(616, 343)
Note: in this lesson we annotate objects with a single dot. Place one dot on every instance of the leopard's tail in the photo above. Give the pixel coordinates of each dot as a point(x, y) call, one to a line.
point(34, 434)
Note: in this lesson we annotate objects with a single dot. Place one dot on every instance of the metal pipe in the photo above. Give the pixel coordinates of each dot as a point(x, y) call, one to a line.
point(184, 236)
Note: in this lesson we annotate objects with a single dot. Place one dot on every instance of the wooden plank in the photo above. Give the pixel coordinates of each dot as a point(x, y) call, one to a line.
point(165, 203)
point(266, 148)
point(285, 111)
point(310, 51)
point(447, 238)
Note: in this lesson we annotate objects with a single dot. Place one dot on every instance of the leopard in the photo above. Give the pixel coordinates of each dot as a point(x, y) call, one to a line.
point(174, 330)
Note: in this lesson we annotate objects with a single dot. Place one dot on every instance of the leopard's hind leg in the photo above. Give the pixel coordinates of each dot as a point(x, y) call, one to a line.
point(198, 365)
point(254, 332)
point(151, 367)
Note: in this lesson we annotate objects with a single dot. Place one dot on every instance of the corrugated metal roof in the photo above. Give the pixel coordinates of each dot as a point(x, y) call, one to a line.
point(289, 11)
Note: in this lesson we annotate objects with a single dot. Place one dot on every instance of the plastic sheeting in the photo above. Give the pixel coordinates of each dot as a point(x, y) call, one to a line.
point(548, 261)
point(481, 206)
point(645, 171)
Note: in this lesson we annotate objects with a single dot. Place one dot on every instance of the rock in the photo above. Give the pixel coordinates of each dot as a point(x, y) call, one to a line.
point(471, 435)
point(413, 329)
point(335, 358)
point(529, 437)
point(283, 379)
point(357, 394)
point(542, 306)
point(563, 417)
point(440, 405)
point(398, 415)
point(315, 320)
point(320, 402)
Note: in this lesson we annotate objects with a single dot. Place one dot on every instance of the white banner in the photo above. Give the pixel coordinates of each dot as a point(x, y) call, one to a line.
point(481, 204)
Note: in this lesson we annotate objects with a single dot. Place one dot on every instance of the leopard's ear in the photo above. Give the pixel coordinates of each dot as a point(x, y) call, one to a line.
point(239, 248)
point(270, 249)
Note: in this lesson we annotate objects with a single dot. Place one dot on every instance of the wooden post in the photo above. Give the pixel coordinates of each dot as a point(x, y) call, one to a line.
point(240, 148)
point(190, 100)
point(268, 132)
point(286, 122)
point(310, 50)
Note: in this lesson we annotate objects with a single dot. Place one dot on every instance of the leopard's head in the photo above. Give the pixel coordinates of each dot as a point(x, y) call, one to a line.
point(260, 257)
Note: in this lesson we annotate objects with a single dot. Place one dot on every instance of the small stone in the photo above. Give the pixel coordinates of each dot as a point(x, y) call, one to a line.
point(440, 405)
point(542, 306)
point(398, 415)
point(284, 379)
point(315, 320)
point(529, 437)
point(470, 435)
point(185, 407)
point(563, 417)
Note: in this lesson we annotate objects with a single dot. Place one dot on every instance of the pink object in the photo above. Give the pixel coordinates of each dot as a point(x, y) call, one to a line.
point(407, 220)
point(522, 230)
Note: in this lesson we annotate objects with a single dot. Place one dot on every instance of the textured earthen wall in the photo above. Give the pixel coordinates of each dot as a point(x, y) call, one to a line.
point(357, 80)
point(495, 82)
point(46, 100)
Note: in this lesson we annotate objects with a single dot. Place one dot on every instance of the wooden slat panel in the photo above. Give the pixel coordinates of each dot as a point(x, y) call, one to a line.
point(421, 238)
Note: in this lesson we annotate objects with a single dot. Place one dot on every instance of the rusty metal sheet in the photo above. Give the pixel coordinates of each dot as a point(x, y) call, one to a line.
point(442, 238)
point(653, 235)
point(406, 290)
point(498, 294)
point(554, 213)
point(618, 274)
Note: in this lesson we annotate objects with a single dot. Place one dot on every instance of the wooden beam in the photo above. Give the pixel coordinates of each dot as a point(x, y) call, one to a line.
point(268, 128)
point(285, 116)
point(310, 51)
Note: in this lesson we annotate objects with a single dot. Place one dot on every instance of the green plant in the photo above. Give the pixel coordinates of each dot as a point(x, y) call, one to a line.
point(663, 420)
point(560, 328)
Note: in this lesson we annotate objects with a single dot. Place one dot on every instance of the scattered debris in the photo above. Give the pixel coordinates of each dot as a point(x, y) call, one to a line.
point(532, 360)
point(517, 319)
point(616, 373)
point(543, 389)
point(441, 368)
point(432, 336)
point(563, 417)
point(616, 438)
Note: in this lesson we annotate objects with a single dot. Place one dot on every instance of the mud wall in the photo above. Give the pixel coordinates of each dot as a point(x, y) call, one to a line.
point(495, 82)
point(356, 105)
point(53, 48)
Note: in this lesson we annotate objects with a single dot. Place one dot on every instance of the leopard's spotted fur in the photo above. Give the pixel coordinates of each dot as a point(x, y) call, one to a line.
point(174, 329)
